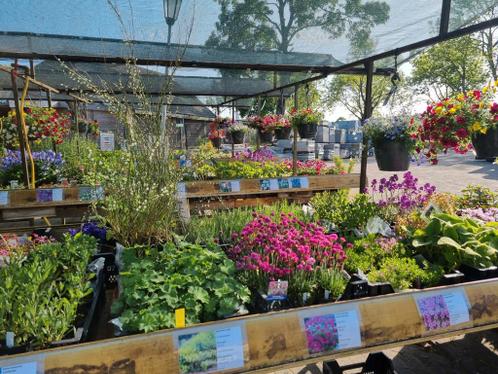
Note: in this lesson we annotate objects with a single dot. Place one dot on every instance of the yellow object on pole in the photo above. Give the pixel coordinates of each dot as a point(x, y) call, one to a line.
point(25, 134)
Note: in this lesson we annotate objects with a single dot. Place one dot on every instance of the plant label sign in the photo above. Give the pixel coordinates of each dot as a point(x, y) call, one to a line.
point(230, 186)
point(181, 189)
point(277, 290)
point(107, 141)
point(44, 195)
point(4, 197)
point(207, 350)
point(57, 194)
point(331, 329)
point(26, 368)
point(443, 309)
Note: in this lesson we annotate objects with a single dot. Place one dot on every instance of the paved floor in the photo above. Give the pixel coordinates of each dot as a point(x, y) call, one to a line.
point(452, 174)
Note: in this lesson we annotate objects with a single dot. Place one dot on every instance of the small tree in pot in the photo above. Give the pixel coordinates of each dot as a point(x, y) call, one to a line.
point(393, 141)
point(306, 121)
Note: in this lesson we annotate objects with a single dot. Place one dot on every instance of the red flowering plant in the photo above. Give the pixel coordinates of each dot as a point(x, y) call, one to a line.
point(217, 128)
point(41, 123)
point(450, 123)
point(304, 117)
point(268, 123)
point(286, 248)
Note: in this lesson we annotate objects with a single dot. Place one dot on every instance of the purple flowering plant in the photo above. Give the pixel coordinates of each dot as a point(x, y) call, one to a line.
point(286, 248)
point(259, 155)
point(400, 196)
point(92, 229)
point(48, 166)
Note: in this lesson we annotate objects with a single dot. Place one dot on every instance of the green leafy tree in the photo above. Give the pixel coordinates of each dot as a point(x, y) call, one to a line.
point(450, 67)
point(261, 24)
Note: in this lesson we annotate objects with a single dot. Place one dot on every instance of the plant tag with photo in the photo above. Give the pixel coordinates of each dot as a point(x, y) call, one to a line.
point(57, 194)
point(207, 349)
point(333, 331)
point(25, 368)
point(4, 197)
point(264, 184)
point(235, 185)
point(443, 309)
point(277, 290)
point(43, 195)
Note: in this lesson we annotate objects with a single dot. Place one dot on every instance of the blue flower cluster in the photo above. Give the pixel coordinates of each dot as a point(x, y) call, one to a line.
point(46, 159)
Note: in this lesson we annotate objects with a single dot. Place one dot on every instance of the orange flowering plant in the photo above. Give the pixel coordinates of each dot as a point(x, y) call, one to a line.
point(41, 123)
point(451, 123)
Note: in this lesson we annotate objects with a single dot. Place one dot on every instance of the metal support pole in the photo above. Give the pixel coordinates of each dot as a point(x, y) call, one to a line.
point(367, 113)
point(233, 120)
point(294, 132)
point(22, 146)
point(49, 101)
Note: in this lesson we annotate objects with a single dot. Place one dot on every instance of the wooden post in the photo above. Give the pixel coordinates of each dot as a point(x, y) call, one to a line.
point(367, 113)
point(294, 140)
point(22, 145)
point(49, 101)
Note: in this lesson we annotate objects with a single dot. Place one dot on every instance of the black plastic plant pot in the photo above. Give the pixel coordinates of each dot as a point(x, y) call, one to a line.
point(307, 131)
point(283, 133)
point(265, 137)
point(392, 156)
point(216, 142)
point(452, 278)
point(85, 329)
point(237, 137)
point(473, 273)
point(486, 145)
point(376, 363)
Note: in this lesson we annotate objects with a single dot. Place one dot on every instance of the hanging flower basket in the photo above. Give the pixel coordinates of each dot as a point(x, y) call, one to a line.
point(236, 130)
point(216, 142)
point(392, 155)
point(392, 140)
point(283, 133)
point(265, 136)
point(486, 145)
point(306, 121)
point(237, 136)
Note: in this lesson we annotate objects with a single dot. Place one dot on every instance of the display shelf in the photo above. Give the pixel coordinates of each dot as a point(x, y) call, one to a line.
point(271, 341)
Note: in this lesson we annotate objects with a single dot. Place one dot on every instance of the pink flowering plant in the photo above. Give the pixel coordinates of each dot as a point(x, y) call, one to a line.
point(272, 248)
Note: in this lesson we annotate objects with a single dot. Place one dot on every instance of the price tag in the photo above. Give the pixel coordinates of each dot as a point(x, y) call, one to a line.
point(27, 368)
point(4, 197)
point(443, 309)
point(211, 349)
point(57, 194)
point(332, 331)
point(180, 318)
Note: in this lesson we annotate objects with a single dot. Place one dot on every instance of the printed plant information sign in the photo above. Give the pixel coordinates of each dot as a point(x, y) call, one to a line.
point(27, 368)
point(43, 196)
point(444, 309)
point(208, 350)
point(264, 184)
point(230, 186)
point(181, 190)
point(57, 194)
point(334, 331)
point(4, 197)
point(274, 185)
point(277, 290)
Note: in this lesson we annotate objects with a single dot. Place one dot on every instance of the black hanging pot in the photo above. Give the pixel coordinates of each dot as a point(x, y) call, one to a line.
point(237, 137)
point(486, 145)
point(392, 155)
point(216, 142)
point(265, 137)
point(307, 131)
point(283, 133)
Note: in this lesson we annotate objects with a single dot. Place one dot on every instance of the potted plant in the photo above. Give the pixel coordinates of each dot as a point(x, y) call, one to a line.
point(282, 127)
point(237, 132)
point(264, 125)
point(216, 134)
point(465, 121)
point(392, 140)
point(306, 121)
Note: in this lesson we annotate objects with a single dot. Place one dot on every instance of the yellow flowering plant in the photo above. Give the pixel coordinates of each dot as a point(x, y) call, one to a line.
point(451, 123)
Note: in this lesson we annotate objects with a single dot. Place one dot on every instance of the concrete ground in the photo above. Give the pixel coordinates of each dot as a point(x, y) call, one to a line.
point(469, 354)
point(452, 174)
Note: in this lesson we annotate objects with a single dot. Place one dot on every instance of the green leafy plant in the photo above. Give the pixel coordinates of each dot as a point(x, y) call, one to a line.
point(332, 280)
point(450, 241)
point(40, 292)
point(400, 272)
point(157, 281)
point(475, 196)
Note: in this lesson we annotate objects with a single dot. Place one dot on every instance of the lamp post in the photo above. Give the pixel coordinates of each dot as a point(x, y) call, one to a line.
point(171, 11)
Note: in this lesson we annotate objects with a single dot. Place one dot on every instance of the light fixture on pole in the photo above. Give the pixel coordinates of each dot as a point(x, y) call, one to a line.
point(171, 11)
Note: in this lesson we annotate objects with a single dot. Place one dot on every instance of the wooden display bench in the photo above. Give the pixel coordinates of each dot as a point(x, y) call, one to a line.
point(267, 342)
point(199, 196)
point(22, 209)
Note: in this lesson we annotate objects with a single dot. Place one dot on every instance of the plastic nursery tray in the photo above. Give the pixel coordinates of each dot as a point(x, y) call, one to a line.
point(473, 273)
point(376, 363)
point(84, 331)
